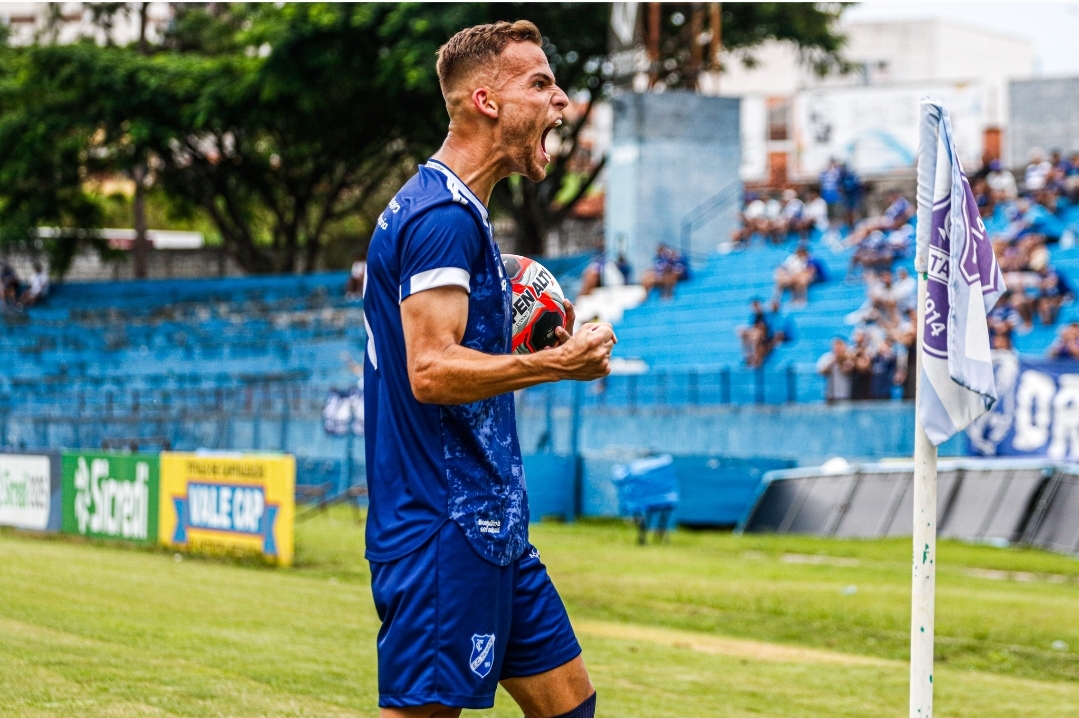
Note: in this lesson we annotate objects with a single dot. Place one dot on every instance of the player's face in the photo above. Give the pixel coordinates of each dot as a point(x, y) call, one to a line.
point(532, 106)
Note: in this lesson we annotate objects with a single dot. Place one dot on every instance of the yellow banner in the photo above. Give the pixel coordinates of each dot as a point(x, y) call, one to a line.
point(228, 503)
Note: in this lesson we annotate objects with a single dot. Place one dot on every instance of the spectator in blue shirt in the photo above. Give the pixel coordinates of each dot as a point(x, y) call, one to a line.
point(830, 182)
point(625, 268)
point(1066, 345)
point(884, 364)
point(898, 213)
point(1053, 291)
point(853, 194)
point(1003, 319)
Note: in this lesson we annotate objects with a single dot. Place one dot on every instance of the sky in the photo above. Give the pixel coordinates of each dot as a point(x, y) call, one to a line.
point(1052, 26)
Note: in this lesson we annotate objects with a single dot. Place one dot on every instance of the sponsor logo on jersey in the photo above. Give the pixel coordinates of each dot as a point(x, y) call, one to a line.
point(483, 654)
point(489, 526)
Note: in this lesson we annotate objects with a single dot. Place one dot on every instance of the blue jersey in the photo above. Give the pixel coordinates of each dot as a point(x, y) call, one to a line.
point(428, 463)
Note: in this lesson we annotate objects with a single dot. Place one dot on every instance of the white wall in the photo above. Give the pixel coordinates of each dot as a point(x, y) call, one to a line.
point(894, 52)
point(777, 71)
point(875, 129)
point(25, 19)
point(870, 111)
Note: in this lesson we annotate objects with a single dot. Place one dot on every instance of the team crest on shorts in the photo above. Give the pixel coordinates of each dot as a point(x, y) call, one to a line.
point(483, 654)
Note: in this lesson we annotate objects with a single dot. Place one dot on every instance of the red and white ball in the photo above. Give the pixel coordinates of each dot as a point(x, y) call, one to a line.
point(538, 304)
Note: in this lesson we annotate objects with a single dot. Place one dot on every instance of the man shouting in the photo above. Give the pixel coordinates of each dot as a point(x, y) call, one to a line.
point(465, 602)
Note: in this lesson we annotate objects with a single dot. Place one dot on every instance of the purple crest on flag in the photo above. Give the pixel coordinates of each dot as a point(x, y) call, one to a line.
point(963, 283)
point(977, 264)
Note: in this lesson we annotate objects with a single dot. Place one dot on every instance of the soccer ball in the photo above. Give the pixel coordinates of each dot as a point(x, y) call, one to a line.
point(538, 304)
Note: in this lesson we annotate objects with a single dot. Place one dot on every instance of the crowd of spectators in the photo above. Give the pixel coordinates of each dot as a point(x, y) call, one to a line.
point(1024, 219)
point(668, 269)
point(777, 217)
point(1024, 216)
point(879, 361)
point(883, 328)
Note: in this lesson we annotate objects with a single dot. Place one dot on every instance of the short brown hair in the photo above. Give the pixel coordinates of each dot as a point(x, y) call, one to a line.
point(476, 45)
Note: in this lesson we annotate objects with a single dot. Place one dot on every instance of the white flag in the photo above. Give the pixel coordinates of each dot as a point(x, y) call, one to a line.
point(964, 283)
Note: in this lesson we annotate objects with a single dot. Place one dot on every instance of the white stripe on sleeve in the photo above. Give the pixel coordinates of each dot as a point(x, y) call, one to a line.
point(433, 278)
point(372, 353)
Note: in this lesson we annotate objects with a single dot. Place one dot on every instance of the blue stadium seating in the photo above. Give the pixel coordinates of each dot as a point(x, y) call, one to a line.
point(697, 329)
point(119, 342)
point(117, 347)
point(695, 333)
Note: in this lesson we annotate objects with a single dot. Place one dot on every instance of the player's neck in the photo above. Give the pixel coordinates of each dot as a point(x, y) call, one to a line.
point(475, 163)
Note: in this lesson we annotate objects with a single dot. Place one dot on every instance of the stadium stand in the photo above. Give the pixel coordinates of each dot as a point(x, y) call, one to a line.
point(250, 362)
point(696, 331)
point(230, 360)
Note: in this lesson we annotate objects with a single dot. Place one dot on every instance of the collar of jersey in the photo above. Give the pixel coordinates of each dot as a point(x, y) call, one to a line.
point(436, 165)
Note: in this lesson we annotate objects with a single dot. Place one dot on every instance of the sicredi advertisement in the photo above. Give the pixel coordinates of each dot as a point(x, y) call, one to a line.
point(229, 502)
point(29, 491)
point(110, 495)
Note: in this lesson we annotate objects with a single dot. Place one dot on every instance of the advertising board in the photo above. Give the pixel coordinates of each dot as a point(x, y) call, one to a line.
point(30, 491)
point(225, 502)
point(110, 495)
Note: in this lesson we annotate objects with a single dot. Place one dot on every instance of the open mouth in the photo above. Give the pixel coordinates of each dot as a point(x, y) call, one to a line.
point(543, 140)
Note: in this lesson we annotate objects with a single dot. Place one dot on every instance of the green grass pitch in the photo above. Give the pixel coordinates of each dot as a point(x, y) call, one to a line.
point(707, 625)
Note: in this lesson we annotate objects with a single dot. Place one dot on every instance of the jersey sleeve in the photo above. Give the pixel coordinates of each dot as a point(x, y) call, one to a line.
point(439, 249)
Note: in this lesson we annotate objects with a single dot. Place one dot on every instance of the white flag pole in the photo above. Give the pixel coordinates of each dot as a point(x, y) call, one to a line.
point(924, 563)
point(924, 572)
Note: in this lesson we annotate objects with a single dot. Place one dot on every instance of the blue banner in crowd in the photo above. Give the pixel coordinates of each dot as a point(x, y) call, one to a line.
point(1037, 413)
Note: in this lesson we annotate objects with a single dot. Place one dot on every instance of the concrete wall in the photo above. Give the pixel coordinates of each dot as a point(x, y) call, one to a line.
point(808, 434)
point(1045, 114)
point(669, 153)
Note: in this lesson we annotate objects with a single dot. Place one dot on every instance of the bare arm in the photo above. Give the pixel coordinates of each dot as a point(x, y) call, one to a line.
point(442, 371)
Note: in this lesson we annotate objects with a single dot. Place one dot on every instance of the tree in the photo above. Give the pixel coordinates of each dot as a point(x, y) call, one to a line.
point(281, 122)
point(576, 41)
point(44, 161)
point(301, 112)
point(812, 27)
point(275, 121)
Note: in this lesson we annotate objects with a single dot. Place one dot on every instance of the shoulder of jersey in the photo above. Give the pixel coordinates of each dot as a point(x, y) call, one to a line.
point(427, 189)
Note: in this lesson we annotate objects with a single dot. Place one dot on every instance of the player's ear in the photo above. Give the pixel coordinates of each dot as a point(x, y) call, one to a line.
point(486, 102)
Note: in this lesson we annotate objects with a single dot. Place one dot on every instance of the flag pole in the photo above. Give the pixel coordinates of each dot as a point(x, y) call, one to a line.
point(955, 383)
point(924, 564)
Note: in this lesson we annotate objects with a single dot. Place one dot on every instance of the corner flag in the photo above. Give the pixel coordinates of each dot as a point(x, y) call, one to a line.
point(964, 282)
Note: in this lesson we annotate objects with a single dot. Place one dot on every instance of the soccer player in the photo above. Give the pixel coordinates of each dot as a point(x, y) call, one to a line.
point(464, 600)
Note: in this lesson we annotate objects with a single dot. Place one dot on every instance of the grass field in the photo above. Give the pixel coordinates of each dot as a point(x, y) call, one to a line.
point(708, 625)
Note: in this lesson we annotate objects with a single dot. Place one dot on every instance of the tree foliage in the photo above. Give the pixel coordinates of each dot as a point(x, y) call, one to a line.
point(281, 121)
point(275, 121)
point(812, 27)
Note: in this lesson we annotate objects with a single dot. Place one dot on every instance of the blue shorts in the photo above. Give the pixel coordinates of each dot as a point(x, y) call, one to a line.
point(454, 624)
